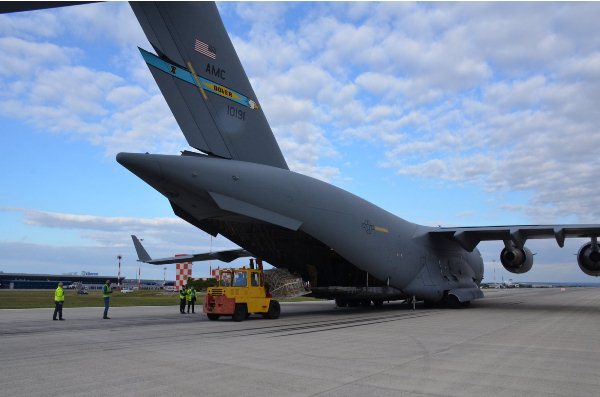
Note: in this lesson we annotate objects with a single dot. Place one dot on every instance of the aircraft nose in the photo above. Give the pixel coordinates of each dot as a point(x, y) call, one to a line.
point(143, 165)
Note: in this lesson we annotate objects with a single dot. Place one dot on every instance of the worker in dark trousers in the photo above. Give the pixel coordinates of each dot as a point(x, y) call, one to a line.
point(191, 299)
point(106, 291)
point(182, 296)
point(59, 300)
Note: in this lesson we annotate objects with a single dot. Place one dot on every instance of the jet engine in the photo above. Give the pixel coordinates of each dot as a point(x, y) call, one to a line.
point(516, 260)
point(588, 259)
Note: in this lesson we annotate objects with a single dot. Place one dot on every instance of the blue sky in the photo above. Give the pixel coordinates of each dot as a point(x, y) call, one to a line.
point(442, 113)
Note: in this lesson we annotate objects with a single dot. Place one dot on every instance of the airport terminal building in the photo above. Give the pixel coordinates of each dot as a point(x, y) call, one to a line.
point(49, 281)
point(91, 281)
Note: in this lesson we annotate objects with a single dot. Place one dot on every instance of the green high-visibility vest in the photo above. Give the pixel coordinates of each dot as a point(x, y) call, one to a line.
point(182, 294)
point(59, 295)
point(188, 295)
point(105, 290)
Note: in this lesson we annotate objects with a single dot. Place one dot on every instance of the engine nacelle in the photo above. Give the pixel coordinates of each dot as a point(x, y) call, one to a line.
point(588, 260)
point(516, 260)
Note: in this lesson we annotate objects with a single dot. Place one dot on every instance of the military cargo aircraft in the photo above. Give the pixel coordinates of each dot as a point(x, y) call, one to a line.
point(236, 182)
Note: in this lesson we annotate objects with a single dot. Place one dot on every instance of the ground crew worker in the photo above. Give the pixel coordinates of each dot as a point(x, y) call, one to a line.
point(106, 290)
point(182, 296)
point(191, 299)
point(59, 299)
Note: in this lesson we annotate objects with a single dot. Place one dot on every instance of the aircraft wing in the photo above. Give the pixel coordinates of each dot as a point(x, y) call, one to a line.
point(224, 256)
point(469, 237)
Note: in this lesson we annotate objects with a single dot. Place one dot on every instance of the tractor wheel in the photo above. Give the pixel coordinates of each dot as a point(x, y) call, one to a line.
point(274, 310)
point(240, 311)
point(212, 316)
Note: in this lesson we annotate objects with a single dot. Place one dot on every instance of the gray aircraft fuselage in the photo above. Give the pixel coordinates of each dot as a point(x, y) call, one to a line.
point(393, 251)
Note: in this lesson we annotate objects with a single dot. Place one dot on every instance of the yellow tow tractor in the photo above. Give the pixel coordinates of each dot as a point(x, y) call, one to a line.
point(241, 292)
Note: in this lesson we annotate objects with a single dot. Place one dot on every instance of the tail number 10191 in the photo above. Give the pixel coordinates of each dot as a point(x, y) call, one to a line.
point(236, 113)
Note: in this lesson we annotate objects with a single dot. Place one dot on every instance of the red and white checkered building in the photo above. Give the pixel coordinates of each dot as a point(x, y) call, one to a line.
point(182, 272)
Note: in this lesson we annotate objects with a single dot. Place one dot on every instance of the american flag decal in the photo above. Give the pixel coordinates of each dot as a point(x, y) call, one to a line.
point(205, 49)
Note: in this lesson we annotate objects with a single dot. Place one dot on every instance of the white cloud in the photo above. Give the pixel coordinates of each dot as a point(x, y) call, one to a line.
point(162, 234)
point(99, 23)
point(29, 59)
point(31, 24)
point(92, 222)
point(502, 96)
point(470, 109)
point(124, 95)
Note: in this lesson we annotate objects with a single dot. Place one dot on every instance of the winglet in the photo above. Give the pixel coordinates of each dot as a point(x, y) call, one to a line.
point(141, 251)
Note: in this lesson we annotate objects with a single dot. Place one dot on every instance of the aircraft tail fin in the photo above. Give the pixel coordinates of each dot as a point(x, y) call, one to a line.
point(141, 251)
point(204, 83)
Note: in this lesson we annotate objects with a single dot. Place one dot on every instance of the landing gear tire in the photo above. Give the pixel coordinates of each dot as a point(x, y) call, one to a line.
point(452, 302)
point(430, 304)
point(274, 310)
point(353, 303)
point(341, 302)
point(365, 302)
point(240, 312)
point(378, 302)
point(212, 316)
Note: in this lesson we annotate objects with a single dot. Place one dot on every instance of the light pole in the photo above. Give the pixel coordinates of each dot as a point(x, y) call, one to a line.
point(119, 274)
point(164, 276)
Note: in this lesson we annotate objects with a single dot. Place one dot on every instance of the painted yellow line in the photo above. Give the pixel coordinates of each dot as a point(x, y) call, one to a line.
point(197, 80)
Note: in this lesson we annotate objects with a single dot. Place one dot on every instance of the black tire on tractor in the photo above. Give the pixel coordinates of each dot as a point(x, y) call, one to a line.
point(240, 311)
point(274, 310)
point(212, 316)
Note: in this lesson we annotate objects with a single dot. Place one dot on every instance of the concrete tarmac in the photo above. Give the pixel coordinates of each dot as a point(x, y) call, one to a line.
point(534, 342)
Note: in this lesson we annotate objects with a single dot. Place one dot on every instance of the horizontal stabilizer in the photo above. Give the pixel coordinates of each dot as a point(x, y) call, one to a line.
point(141, 251)
point(224, 256)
